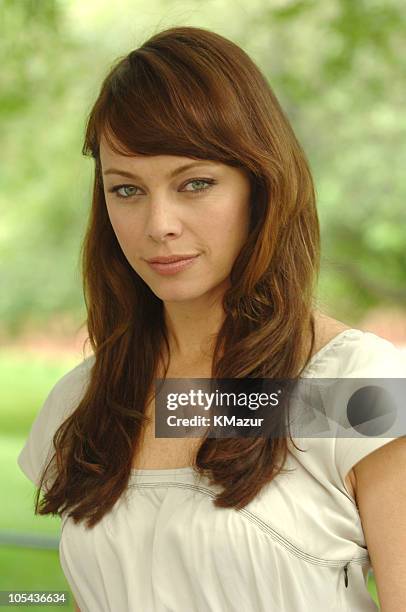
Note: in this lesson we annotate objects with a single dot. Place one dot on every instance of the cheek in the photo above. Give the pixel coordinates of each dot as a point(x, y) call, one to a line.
point(228, 227)
point(125, 231)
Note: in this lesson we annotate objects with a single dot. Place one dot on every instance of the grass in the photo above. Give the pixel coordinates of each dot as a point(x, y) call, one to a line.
point(25, 569)
point(25, 382)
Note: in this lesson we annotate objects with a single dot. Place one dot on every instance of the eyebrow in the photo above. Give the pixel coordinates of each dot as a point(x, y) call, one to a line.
point(175, 172)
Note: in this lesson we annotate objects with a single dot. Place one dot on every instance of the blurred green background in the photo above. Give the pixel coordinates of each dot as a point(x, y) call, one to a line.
point(338, 69)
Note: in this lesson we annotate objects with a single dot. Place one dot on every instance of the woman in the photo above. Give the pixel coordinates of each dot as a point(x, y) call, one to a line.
point(195, 161)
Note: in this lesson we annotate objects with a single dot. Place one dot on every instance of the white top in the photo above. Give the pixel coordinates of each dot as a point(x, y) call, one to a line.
point(165, 547)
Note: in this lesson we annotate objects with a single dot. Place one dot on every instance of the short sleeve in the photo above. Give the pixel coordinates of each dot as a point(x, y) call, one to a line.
point(357, 355)
point(61, 401)
point(374, 358)
point(349, 451)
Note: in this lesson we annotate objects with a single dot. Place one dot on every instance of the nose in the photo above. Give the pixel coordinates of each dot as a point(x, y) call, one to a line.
point(162, 221)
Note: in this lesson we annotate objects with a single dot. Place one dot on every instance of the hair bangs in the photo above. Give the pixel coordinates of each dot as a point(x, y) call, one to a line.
point(157, 103)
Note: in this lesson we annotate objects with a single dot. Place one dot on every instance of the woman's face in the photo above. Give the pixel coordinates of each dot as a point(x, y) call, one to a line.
point(159, 209)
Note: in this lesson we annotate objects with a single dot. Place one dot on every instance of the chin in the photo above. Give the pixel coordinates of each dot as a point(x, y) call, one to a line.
point(178, 296)
point(169, 290)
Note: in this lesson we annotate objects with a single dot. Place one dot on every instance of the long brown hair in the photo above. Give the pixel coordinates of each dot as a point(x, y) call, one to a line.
point(188, 91)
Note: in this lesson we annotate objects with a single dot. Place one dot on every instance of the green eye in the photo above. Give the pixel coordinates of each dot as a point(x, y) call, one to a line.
point(207, 182)
point(118, 187)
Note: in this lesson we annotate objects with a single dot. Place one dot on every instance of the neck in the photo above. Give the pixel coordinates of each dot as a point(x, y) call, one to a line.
point(192, 330)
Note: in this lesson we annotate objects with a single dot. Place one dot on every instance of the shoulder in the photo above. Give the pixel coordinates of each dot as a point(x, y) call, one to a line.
point(350, 353)
point(60, 402)
point(66, 393)
point(341, 351)
point(72, 384)
point(368, 355)
point(68, 389)
point(326, 328)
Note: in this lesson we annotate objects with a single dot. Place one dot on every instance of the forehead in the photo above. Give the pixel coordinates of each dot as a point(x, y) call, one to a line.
point(108, 156)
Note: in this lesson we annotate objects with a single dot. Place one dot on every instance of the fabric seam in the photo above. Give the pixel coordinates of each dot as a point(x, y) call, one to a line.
point(262, 525)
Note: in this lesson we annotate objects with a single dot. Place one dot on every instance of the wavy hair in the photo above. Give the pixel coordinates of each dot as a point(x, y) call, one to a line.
point(188, 91)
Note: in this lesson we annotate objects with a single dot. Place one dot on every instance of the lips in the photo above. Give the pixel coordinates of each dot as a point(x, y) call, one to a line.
point(175, 267)
point(171, 259)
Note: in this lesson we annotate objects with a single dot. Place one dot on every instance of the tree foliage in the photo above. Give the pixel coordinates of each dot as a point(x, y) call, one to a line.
point(338, 68)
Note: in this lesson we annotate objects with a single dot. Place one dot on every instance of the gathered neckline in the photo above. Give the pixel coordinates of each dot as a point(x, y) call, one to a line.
point(310, 364)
